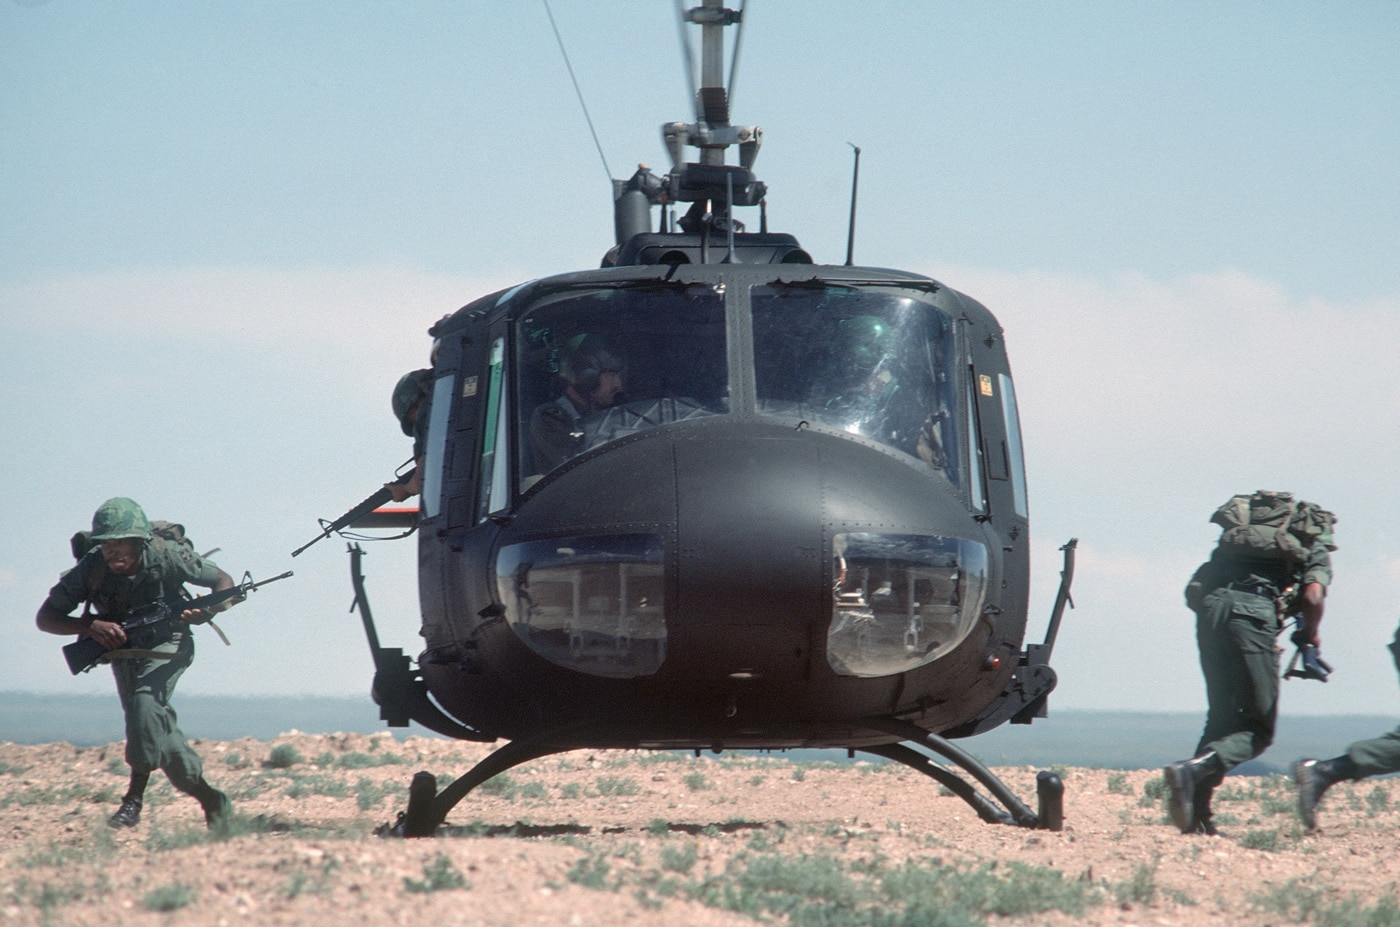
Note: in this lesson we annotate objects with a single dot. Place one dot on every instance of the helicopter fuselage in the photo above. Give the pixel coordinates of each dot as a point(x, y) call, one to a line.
point(804, 510)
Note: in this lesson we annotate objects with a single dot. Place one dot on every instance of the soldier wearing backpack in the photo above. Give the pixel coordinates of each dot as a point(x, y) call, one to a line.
point(127, 563)
point(1273, 561)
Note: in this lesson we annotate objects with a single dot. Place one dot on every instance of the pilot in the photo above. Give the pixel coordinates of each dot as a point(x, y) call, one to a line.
point(592, 373)
point(410, 403)
point(129, 567)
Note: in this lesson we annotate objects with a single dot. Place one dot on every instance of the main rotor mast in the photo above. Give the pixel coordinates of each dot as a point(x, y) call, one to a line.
point(712, 185)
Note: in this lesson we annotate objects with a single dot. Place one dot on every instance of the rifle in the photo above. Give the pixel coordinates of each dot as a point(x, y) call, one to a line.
point(152, 625)
point(371, 502)
point(1314, 667)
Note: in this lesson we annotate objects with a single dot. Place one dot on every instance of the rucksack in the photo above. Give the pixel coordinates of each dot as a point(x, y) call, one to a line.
point(1272, 526)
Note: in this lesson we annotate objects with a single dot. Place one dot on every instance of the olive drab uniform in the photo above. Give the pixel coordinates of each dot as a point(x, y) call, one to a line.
point(1238, 621)
point(1379, 755)
point(1271, 547)
point(1376, 756)
point(145, 683)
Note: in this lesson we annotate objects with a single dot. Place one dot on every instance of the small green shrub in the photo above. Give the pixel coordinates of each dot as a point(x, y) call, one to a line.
point(617, 785)
point(170, 897)
point(283, 756)
point(439, 875)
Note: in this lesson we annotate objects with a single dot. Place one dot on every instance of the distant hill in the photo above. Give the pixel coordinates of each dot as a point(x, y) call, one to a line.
point(1106, 739)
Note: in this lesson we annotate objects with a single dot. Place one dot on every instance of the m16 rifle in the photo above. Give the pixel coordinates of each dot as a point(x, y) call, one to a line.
point(371, 502)
point(152, 625)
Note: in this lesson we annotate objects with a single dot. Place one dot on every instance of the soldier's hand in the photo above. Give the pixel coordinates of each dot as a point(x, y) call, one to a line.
point(109, 634)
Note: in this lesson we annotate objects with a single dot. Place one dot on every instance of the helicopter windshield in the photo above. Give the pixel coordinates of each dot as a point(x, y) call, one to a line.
point(868, 362)
point(601, 364)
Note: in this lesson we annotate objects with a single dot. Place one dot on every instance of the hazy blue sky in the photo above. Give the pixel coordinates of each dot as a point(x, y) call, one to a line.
point(225, 229)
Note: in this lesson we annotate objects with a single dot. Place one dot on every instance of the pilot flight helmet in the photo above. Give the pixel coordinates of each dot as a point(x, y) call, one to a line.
point(410, 389)
point(866, 339)
point(120, 518)
point(586, 357)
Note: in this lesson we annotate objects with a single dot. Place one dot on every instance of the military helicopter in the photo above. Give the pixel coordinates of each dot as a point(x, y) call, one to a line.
point(716, 496)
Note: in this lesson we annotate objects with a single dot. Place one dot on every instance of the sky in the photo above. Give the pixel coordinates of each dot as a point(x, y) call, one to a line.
point(226, 227)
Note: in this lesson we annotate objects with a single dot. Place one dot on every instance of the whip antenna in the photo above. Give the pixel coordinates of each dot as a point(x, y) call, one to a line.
point(587, 118)
point(851, 231)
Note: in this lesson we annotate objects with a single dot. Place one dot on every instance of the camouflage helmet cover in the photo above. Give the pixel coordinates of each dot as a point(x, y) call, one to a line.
point(120, 518)
point(410, 389)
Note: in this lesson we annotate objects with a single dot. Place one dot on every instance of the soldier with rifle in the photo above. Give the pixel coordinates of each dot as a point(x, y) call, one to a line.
point(129, 568)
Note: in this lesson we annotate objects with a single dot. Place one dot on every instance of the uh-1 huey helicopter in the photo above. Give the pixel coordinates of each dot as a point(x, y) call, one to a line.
point(714, 495)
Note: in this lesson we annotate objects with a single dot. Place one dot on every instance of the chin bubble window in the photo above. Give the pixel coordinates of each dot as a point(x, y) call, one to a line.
point(901, 601)
point(591, 604)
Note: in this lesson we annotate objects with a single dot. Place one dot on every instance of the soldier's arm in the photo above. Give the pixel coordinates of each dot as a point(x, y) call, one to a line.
point(221, 582)
point(54, 620)
point(1312, 599)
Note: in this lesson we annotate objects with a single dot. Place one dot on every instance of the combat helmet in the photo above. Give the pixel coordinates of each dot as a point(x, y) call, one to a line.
point(586, 358)
point(120, 518)
point(410, 389)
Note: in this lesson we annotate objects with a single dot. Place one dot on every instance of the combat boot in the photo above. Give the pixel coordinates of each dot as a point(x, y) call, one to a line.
point(217, 810)
point(128, 815)
point(1184, 779)
point(1315, 777)
point(217, 807)
point(1202, 823)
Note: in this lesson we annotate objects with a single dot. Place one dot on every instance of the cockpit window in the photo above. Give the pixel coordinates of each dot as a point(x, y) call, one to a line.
point(868, 362)
point(598, 365)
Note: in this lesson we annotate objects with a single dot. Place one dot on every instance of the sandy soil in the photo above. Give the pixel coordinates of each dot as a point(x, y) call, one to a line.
point(619, 838)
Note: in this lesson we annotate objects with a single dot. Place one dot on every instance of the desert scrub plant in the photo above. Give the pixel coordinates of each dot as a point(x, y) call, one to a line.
point(1301, 902)
point(1118, 784)
point(680, 858)
point(502, 786)
point(1141, 887)
point(697, 782)
point(170, 897)
point(1267, 840)
point(368, 760)
point(534, 790)
point(617, 785)
point(370, 794)
point(439, 875)
point(237, 761)
point(283, 756)
point(591, 871)
point(1154, 792)
point(1377, 800)
point(302, 786)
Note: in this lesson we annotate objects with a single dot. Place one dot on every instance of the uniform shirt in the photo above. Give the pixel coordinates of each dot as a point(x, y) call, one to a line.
point(1267, 578)
point(556, 433)
point(164, 568)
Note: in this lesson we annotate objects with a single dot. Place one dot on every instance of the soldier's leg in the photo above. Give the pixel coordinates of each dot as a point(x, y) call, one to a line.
point(128, 814)
point(1251, 631)
point(178, 759)
point(1221, 665)
point(1190, 782)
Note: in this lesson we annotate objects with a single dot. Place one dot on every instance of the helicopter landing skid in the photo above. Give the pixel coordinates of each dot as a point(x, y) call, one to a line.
point(428, 808)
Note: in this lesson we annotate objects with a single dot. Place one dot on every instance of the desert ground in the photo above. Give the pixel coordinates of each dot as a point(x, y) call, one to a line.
point(599, 838)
